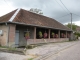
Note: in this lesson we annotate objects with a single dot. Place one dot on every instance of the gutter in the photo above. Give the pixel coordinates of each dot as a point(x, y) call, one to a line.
point(2, 22)
point(35, 25)
point(38, 26)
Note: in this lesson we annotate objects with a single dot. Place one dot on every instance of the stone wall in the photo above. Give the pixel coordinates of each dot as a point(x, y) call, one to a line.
point(22, 30)
point(36, 41)
point(12, 29)
point(4, 36)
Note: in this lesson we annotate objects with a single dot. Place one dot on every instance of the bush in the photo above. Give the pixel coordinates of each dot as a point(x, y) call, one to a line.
point(77, 34)
point(30, 46)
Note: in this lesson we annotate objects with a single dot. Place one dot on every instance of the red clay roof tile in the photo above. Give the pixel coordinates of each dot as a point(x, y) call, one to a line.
point(30, 18)
point(6, 17)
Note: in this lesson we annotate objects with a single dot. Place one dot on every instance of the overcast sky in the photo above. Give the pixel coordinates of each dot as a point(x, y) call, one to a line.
point(51, 8)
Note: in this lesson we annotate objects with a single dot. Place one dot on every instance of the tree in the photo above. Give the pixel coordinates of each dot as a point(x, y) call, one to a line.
point(35, 10)
point(73, 26)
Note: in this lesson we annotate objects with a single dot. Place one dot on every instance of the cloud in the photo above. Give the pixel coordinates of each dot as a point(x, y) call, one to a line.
point(52, 8)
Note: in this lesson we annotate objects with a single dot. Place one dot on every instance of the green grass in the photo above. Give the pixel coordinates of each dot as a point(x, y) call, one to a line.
point(3, 47)
point(31, 46)
point(30, 58)
point(8, 48)
point(11, 49)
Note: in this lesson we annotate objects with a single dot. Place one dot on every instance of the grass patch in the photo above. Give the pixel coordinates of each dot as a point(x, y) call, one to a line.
point(30, 58)
point(12, 49)
point(3, 47)
point(31, 46)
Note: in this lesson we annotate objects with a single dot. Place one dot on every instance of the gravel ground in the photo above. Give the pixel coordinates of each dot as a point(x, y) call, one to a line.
point(72, 53)
point(43, 50)
point(38, 50)
point(10, 56)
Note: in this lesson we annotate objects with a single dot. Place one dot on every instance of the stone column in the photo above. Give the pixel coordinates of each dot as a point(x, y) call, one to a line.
point(49, 33)
point(66, 34)
point(12, 29)
point(34, 33)
point(59, 33)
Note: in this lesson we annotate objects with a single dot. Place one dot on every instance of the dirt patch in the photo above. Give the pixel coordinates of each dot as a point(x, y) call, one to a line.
point(11, 51)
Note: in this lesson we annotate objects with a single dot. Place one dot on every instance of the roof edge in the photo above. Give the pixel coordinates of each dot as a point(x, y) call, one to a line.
point(2, 22)
point(34, 25)
point(12, 18)
point(38, 26)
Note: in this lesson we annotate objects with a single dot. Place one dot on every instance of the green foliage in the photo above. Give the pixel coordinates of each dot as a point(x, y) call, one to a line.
point(40, 34)
point(52, 33)
point(11, 49)
point(3, 46)
point(73, 26)
point(77, 34)
point(30, 46)
point(27, 34)
point(35, 10)
point(30, 58)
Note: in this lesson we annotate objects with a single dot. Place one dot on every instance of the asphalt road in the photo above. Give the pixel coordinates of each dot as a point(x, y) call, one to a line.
point(71, 53)
point(10, 56)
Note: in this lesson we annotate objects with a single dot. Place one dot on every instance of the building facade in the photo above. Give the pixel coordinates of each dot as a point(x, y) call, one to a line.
point(21, 26)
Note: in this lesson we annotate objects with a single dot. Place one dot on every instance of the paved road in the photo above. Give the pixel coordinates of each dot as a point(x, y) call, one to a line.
point(67, 54)
point(10, 56)
point(71, 53)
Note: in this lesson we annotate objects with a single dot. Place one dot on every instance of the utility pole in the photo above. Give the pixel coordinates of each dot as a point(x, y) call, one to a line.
point(71, 28)
point(71, 21)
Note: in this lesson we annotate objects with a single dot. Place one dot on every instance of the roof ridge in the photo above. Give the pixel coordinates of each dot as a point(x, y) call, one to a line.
point(14, 15)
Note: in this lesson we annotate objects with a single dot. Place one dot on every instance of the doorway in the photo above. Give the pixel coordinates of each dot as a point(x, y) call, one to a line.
point(17, 38)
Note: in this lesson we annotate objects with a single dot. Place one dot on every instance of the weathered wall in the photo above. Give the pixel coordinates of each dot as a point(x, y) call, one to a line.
point(22, 40)
point(4, 37)
point(12, 29)
point(10, 39)
point(36, 41)
point(22, 29)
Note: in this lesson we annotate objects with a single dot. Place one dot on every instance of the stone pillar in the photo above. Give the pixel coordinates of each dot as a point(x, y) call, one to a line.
point(34, 33)
point(12, 29)
point(59, 33)
point(3, 36)
point(66, 34)
point(49, 33)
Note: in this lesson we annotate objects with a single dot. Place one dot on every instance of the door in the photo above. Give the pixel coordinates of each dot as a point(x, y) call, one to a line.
point(17, 38)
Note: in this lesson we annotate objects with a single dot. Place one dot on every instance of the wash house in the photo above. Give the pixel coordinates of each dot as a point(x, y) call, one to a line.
point(21, 26)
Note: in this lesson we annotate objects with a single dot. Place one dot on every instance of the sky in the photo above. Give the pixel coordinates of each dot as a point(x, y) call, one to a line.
point(59, 10)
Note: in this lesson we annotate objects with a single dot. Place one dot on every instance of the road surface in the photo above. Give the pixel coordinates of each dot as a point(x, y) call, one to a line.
point(71, 53)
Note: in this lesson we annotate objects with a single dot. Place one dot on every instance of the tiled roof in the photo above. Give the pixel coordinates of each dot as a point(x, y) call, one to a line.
point(6, 17)
point(29, 18)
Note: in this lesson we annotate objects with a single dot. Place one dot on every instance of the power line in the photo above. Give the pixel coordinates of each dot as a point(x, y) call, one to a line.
point(62, 16)
point(57, 2)
point(60, 5)
point(76, 15)
point(10, 7)
point(65, 6)
point(7, 3)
